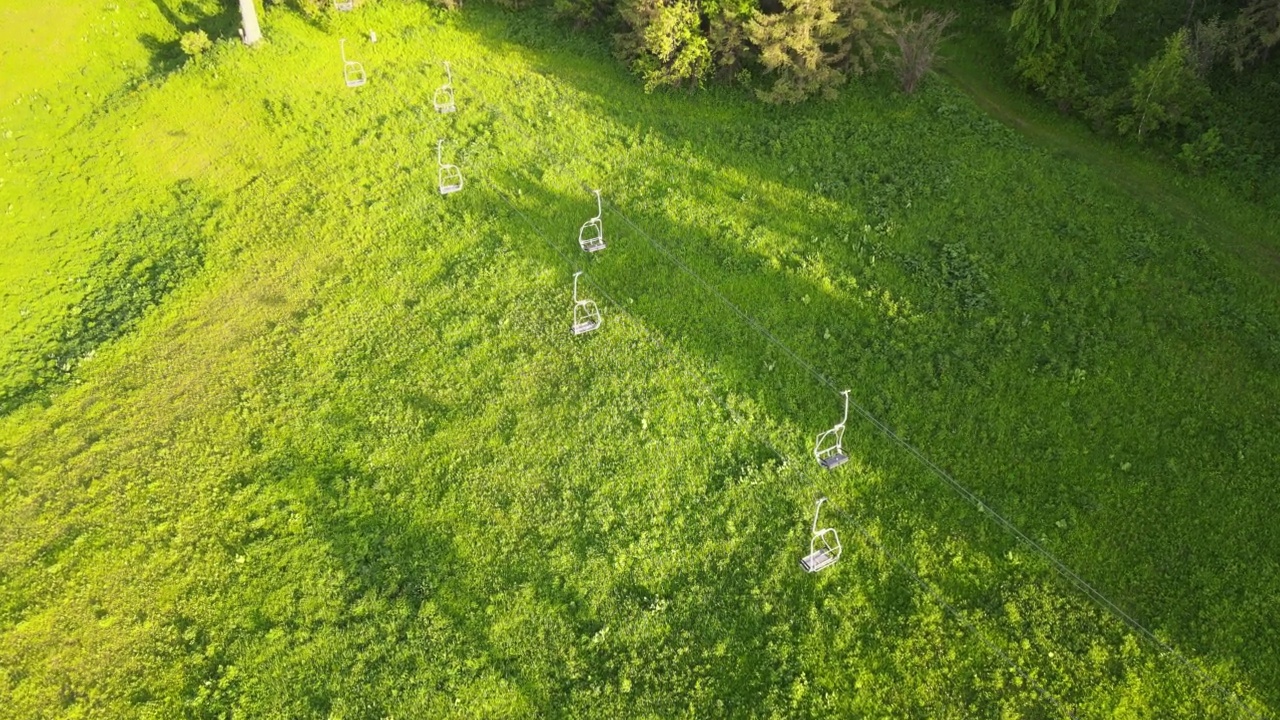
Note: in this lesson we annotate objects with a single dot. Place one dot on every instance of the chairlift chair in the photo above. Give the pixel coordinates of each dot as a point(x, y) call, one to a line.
point(591, 236)
point(352, 71)
point(824, 545)
point(586, 316)
point(344, 5)
point(450, 176)
point(829, 448)
point(443, 98)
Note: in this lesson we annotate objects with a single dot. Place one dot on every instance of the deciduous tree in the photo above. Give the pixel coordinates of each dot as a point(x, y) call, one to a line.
point(1257, 32)
point(1052, 40)
point(917, 40)
point(1166, 91)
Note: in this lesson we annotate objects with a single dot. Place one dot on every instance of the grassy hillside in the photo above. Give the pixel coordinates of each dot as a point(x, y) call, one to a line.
point(285, 433)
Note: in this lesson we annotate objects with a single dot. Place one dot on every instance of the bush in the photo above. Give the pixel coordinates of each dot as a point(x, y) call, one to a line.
point(917, 42)
point(195, 43)
point(1199, 154)
point(582, 12)
point(309, 8)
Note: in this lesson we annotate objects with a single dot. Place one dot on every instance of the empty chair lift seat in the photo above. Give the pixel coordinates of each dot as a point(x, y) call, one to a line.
point(824, 545)
point(449, 176)
point(586, 316)
point(443, 99)
point(591, 236)
point(352, 71)
point(828, 450)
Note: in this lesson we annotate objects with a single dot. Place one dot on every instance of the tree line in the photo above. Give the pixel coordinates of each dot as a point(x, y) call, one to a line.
point(1178, 73)
point(787, 50)
point(1198, 78)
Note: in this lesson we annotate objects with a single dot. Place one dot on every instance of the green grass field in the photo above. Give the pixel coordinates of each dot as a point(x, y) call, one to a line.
point(285, 433)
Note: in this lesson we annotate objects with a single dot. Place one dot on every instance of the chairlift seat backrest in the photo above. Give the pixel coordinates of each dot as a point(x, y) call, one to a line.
point(344, 5)
point(443, 100)
point(591, 236)
point(586, 317)
point(450, 179)
point(353, 74)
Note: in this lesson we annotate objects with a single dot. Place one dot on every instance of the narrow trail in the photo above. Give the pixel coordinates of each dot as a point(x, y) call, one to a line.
point(1257, 247)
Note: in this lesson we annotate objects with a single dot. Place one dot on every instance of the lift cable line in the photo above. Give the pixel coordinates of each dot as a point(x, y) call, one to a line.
point(1060, 567)
point(928, 587)
point(967, 494)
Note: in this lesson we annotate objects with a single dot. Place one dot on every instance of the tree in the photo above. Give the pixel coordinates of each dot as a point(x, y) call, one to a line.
point(664, 43)
point(1257, 31)
point(813, 46)
point(727, 35)
point(800, 48)
point(1166, 91)
point(1053, 39)
point(918, 41)
point(249, 31)
point(867, 29)
point(1209, 38)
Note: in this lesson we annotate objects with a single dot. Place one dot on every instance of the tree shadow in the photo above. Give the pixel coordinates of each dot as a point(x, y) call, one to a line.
point(924, 371)
point(746, 363)
point(166, 55)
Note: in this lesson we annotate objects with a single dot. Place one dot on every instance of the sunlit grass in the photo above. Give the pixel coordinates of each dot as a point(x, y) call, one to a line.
point(336, 453)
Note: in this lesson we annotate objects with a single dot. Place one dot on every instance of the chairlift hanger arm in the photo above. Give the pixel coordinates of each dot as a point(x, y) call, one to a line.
point(816, 510)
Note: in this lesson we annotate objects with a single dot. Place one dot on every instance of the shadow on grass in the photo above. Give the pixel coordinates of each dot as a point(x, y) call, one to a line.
point(935, 379)
point(167, 55)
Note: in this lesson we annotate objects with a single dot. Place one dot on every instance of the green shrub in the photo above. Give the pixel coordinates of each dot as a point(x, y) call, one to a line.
point(195, 43)
point(1200, 154)
point(582, 13)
